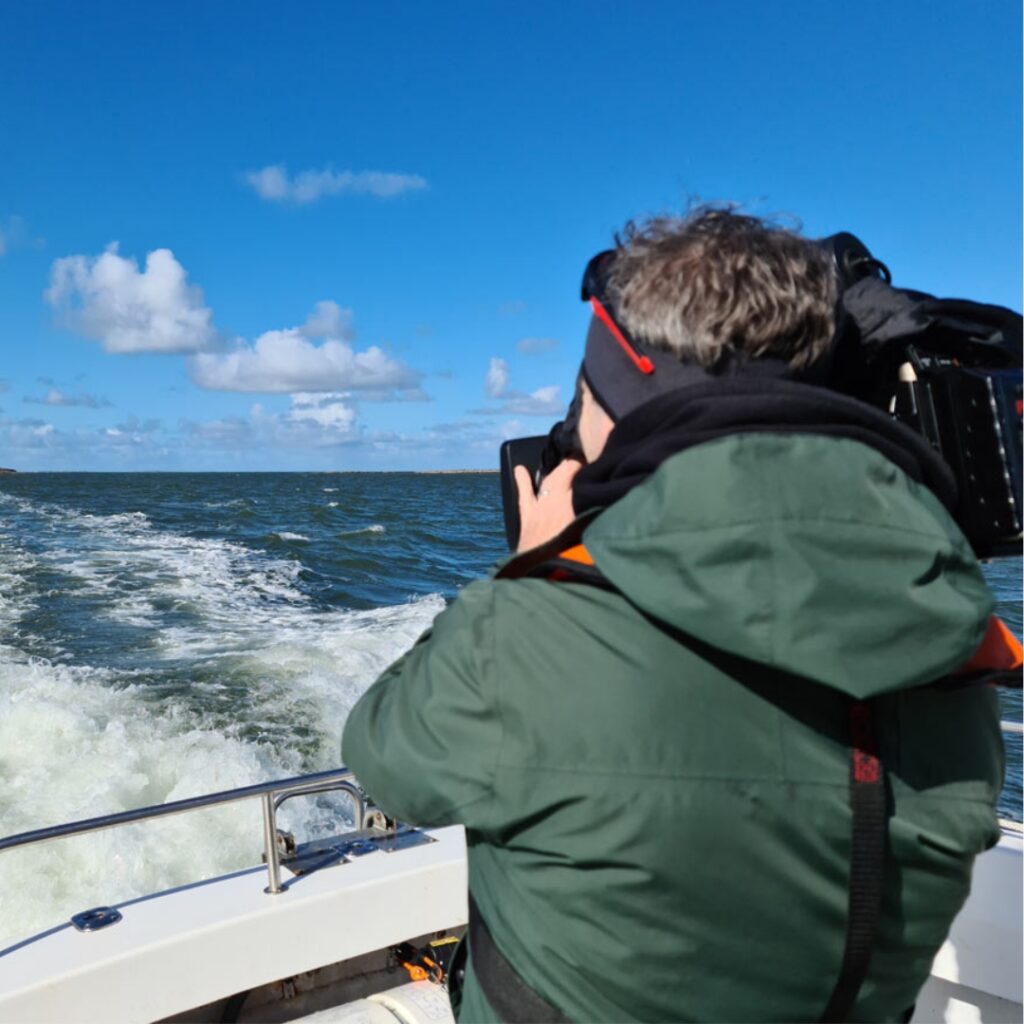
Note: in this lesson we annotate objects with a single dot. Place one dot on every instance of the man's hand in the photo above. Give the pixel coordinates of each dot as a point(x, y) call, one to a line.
point(546, 514)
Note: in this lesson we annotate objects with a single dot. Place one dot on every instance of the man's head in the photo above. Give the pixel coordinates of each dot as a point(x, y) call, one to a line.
point(714, 292)
point(717, 284)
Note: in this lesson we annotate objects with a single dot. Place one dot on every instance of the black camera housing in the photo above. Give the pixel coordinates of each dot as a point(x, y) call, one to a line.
point(947, 368)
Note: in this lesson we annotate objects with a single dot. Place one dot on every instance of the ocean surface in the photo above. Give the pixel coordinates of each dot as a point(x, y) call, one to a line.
point(165, 635)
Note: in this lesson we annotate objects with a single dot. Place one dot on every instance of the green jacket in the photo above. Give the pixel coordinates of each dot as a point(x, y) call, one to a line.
point(659, 828)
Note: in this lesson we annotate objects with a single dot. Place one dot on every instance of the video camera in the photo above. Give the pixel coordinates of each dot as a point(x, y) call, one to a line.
point(947, 368)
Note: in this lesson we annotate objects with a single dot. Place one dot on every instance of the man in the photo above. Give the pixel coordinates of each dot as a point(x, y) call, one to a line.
point(648, 738)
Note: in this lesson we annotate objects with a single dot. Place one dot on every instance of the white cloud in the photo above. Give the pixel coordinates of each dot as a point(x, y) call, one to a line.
point(287, 361)
point(156, 310)
point(274, 183)
point(310, 431)
point(531, 346)
point(57, 397)
point(542, 402)
point(24, 434)
point(312, 421)
point(133, 425)
point(107, 298)
point(329, 411)
point(496, 382)
point(329, 320)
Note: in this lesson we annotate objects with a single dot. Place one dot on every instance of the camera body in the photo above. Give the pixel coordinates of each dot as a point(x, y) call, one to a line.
point(947, 368)
point(972, 417)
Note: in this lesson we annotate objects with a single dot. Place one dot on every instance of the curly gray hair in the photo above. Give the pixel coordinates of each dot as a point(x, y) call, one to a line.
point(716, 284)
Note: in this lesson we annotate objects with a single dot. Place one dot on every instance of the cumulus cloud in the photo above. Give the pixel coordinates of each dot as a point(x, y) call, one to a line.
point(24, 434)
point(109, 299)
point(329, 411)
point(329, 320)
point(155, 310)
point(275, 184)
point(133, 425)
point(312, 421)
point(287, 361)
point(291, 361)
point(57, 397)
point(542, 402)
point(496, 382)
point(531, 346)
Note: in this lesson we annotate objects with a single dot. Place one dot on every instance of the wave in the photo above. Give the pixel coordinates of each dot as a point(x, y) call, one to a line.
point(134, 573)
point(80, 741)
point(235, 676)
point(375, 528)
point(229, 675)
point(74, 747)
point(284, 535)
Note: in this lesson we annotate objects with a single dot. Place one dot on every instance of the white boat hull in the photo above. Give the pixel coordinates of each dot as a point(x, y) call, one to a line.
point(190, 947)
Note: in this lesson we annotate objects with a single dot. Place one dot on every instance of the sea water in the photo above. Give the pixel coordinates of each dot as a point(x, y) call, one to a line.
point(167, 635)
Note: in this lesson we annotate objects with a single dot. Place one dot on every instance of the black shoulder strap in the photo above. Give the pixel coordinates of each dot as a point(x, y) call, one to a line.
point(513, 1000)
point(510, 997)
point(867, 862)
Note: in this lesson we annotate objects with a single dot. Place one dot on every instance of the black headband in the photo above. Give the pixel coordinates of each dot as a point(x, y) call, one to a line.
point(623, 375)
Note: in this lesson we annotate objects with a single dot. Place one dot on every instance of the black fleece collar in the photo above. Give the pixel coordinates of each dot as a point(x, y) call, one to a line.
point(706, 411)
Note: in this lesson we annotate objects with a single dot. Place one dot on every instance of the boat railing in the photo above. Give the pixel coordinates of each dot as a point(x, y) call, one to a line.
point(271, 795)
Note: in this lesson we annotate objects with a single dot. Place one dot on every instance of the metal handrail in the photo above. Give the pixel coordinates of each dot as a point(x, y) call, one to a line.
point(282, 789)
point(272, 796)
point(326, 787)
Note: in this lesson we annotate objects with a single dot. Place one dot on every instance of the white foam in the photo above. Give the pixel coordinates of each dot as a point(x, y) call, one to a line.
point(72, 747)
point(17, 595)
point(284, 535)
point(375, 528)
point(77, 741)
point(127, 564)
point(74, 743)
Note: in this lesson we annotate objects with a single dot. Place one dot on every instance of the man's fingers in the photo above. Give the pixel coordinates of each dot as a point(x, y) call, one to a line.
point(561, 477)
point(569, 469)
point(524, 486)
point(545, 515)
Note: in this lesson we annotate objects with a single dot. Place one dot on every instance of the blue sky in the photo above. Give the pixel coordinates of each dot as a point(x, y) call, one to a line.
point(256, 236)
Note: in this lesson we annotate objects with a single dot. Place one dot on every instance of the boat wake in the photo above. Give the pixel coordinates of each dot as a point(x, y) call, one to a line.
point(140, 665)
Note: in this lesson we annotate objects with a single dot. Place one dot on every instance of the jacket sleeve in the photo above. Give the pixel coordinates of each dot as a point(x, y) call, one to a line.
point(424, 739)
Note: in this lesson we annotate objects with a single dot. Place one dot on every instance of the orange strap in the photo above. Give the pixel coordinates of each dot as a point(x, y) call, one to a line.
point(577, 554)
point(999, 651)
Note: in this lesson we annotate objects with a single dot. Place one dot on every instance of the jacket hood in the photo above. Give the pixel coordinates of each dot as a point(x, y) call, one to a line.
point(811, 554)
